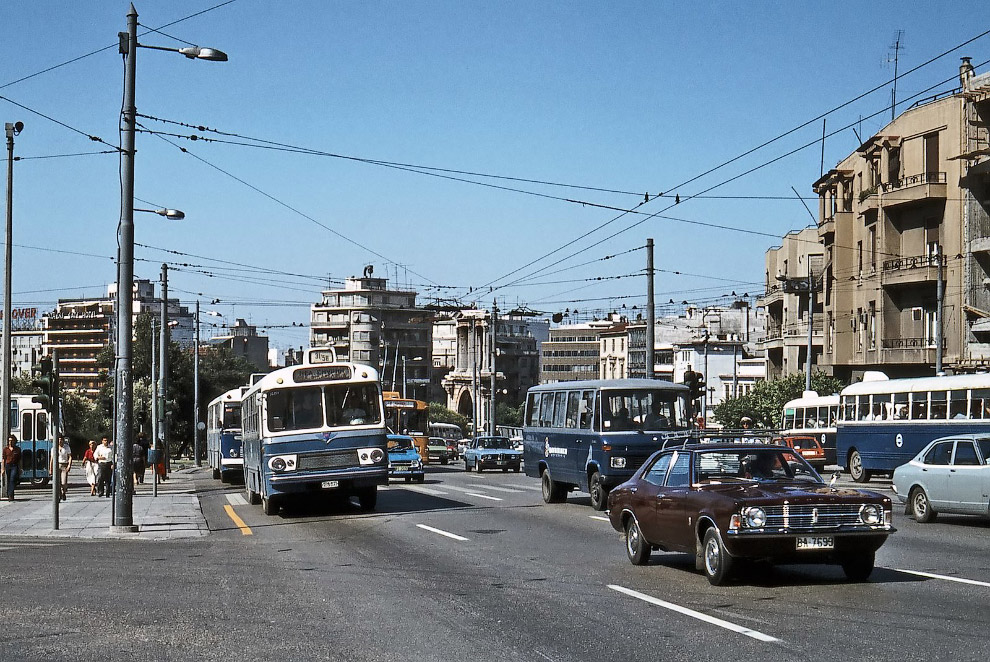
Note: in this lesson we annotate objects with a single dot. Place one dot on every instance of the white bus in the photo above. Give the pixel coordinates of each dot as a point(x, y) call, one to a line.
point(812, 415)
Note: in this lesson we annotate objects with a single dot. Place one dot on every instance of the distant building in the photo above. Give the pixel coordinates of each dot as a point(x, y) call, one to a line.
point(573, 352)
point(365, 322)
point(243, 341)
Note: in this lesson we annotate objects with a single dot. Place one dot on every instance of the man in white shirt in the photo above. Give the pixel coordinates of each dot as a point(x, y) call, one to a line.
point(64, 464)
point(104, 462)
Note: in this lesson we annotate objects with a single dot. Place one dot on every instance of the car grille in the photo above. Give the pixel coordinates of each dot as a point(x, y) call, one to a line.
point(328, 460)
point(496, 457)
point(406, 463)
point(812, 516)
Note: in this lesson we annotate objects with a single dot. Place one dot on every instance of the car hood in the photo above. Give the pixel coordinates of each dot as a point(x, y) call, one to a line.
point(498, 451)
point(793, 492)
point(403, 455)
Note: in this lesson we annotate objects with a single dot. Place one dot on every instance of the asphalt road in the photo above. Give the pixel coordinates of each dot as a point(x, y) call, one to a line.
point(469, 567)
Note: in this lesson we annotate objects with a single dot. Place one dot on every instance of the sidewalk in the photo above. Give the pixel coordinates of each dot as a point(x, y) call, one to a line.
point(175, 513)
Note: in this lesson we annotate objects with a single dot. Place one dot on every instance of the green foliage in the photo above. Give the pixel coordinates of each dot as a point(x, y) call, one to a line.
point(765, 402)
point(506, 414)
point(440, 414)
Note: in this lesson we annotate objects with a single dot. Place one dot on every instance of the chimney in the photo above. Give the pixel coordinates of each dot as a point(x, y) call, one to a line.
point(965, 73)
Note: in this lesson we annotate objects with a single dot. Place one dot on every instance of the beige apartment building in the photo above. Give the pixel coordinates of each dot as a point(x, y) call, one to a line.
point(912, 201)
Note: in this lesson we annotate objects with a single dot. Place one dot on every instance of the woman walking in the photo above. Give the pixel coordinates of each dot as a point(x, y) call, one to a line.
point(89, 464)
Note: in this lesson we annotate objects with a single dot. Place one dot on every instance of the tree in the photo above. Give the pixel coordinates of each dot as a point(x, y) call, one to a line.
point(440, 414)
point(506, 414)
point(765, 402)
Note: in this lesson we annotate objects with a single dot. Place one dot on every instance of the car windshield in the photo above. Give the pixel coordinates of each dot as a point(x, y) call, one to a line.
point(769, 464)
point(400, 443)
point(436, 441)
point(495, 442)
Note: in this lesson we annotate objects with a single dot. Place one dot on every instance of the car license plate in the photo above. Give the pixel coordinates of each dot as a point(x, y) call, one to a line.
point(815, 542)
point(330, 484)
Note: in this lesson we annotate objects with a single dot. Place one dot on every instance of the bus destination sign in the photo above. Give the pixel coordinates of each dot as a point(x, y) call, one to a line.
point(327, 373)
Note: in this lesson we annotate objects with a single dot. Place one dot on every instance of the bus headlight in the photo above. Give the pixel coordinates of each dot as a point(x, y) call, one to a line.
point(755, 517)
point(871, 514)
point(618, 463)
point(370, 455)
point(232, 452)
point(280, 463)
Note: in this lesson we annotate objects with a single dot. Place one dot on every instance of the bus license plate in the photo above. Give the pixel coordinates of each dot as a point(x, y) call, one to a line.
point(330, 484)
point(813, 542)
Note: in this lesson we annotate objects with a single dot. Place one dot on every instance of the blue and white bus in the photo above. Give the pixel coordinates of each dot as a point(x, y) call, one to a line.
point(314, 430)
point(223, 435)
point(593, 435)
point(812, 415)
point(883, 423)
point(30, 423)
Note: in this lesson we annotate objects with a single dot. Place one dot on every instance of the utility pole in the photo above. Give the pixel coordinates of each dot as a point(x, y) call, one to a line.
point(13, 129)
point(163, 368)
point(650, 312)
point(939, 310)
point(195, 427)
point(154, 409)
point(494, 353)
point(474, 376)
point(811, 322)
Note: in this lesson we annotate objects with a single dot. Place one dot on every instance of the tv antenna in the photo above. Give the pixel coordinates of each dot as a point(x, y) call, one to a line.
point(896, 47)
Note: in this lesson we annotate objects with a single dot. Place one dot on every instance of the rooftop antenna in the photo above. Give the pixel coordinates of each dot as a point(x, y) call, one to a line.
point(896, 47)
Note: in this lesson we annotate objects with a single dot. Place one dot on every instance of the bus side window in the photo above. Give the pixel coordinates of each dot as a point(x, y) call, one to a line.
point(919, 406)
point(980, 409)
point(41, 425)
point(572, 409)
point(27, 427)
point(533, 409)
point(938, 408)
point(559, 408)
point(546, 410)
point(585, 408)
point(957, 404)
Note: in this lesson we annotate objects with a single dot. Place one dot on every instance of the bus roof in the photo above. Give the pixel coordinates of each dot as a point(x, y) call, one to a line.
point(233, 395)
point(286, 376)
point(916, 384)
point(611, 384)
point(814, 401)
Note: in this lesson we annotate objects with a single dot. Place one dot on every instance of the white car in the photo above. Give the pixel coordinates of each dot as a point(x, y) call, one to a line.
point(951, 475)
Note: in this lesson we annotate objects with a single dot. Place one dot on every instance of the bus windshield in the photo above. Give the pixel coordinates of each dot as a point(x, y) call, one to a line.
point(303, 408)
point(639, 409)
point(232, 416)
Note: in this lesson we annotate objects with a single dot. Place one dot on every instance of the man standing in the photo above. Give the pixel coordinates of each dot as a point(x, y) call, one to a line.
point(64, 464)
point(12, 465)
point(104, 462)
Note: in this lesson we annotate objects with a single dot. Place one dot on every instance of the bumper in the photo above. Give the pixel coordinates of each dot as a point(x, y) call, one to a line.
point(782, 547)
point(310, 481)
point(234, 462)
point(499, 464)
point(405, 472)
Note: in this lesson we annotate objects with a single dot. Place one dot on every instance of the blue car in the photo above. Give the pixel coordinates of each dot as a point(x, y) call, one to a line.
point(492, 453)
point(403, 460)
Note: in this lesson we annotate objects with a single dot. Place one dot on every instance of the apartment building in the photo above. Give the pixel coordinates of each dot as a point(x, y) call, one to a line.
point(908, 208)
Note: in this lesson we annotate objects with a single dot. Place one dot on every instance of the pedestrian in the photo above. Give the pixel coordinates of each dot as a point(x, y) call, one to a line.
point(12, 465)
point(64, 465)
point(104, 461)
point(138, 464)
point(90, 466)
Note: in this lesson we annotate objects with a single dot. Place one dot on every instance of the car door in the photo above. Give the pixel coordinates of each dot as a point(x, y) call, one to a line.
point(965, 482)
point(671, 503)
point(643, 498)
point(935, 472)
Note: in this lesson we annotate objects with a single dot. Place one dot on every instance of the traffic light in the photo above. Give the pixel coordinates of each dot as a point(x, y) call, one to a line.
point(46, 382)
point(695, 382)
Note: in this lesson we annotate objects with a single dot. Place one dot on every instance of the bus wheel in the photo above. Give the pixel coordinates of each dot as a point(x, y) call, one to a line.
point(39, 481)
point(856, 470)
point(216, 474)
point(251, 495)
point(599, 495)
point(368, 498)
point(553, 492)
point(224, 477)
point(269, 505)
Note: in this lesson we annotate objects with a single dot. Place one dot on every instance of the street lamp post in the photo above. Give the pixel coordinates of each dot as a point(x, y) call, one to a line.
point(123, 517)
point(13, 129)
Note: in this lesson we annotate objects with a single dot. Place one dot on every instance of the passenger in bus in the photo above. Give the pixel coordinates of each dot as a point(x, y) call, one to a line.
point(622, 421)
point(655, 420)
point(12, 465)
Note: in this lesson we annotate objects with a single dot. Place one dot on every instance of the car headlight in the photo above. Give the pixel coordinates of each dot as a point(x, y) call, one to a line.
point(755, 517)
point(415, 464)
point(618, 463)
point(871, 513)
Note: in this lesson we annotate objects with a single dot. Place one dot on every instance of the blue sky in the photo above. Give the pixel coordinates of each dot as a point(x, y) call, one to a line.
point(633, 97)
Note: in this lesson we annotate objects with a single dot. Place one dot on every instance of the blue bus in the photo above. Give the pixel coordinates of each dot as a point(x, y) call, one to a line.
point(223, 435)
point(592, 435)
point(314, 430)
point(30, 423)
point(883, 423)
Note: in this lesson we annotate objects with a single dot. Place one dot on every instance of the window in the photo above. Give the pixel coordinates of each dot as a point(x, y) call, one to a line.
point(919, 406)
point(873, 248)
point(572, 409)
point(863, 407)
point(41, 425)
point(872, 321)
point(680, 471)
point(658, 471)
point(957, 404)
point(546, 410)
point(533, 409)
point(980, 407)
point(965, 454)
point(938, 408)
point(585, 409)
point(559, 409)
point(353, 404)
point(939, 454)
point(27, 427)
point(294, 409)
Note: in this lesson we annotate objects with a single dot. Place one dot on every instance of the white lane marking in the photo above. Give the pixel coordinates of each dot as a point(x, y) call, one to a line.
point(423, 490)
point(534, 488)
point(501, 489)
point(961, 580)
point(695, 614)
point(441, 532)
point(600, 518)
point(469, 492)
point(482, 496)
point(236, 499)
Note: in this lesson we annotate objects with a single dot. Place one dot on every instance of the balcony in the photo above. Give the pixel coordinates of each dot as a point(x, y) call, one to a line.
point(909, 350)
point(915, 189)
point(910, 270)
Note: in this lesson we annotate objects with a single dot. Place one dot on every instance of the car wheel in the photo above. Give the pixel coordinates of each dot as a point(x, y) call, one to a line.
point(443, 461)
point(368, 498)
point(516, 469)
point(467, 467)
point(421, 478)
point(269, 505)
point(553, 492)
point(717, 562)
point(599, 495)
point(505, 470)
point(856, 470)
point(921, 507)
point(477, 467)
point(858, 567)
point(408, 479)
point(637, 549)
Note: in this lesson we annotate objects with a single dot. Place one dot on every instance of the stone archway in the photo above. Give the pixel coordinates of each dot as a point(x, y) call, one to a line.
point(465, 406)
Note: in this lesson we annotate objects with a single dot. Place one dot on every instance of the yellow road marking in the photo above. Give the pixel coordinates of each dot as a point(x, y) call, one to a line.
point(245, 529)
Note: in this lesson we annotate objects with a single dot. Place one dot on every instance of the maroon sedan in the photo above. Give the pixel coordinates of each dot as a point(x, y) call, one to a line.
point(725, 502)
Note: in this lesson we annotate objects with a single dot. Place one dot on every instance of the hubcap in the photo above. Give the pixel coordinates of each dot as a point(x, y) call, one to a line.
point(632, 539)
point(712, 557)
point(920, 504)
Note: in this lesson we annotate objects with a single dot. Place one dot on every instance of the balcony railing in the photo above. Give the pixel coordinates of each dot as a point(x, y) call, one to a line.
point(909, 343)
point(913, 262)
point(914, 180)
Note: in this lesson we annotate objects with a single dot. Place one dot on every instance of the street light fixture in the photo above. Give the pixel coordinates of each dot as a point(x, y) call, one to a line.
point(170, 214)
point(123, 515)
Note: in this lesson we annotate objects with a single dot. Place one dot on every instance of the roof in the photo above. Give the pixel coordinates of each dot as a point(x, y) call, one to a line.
point(820, 400)
point(918, 384)
point(610, 384)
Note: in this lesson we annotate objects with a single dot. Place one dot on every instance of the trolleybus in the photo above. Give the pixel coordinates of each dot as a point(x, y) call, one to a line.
point(314, 430)
point(812, 415)
point(31, 424)
point(223, 435)
point(408, 417)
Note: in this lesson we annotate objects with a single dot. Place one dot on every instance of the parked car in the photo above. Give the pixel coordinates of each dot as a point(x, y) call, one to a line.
point(950, 475)
point(403, 459)
point(437, 449)
point(810, 448)
point(492, 453)
point(727, 502)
